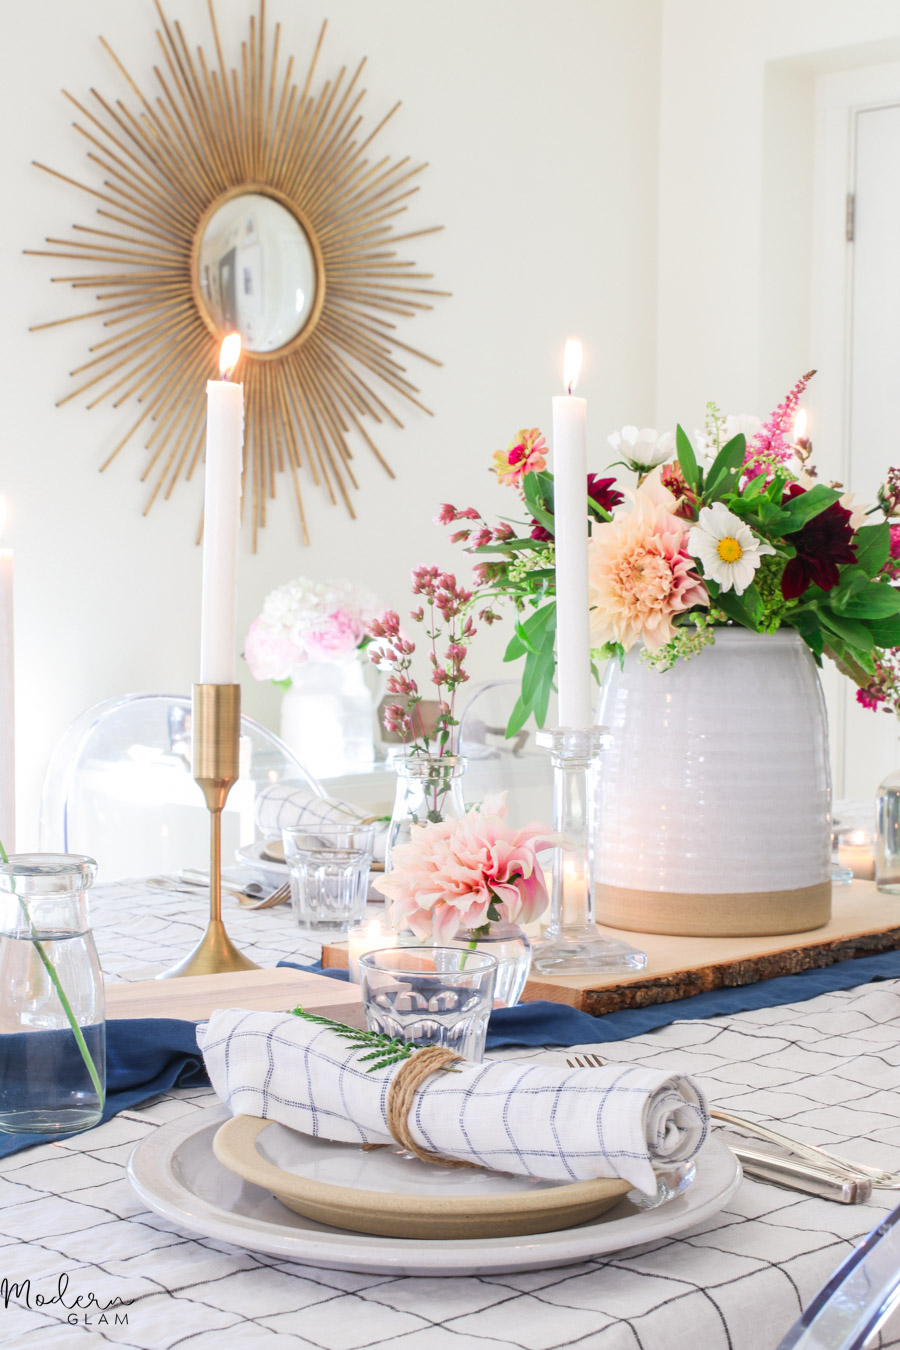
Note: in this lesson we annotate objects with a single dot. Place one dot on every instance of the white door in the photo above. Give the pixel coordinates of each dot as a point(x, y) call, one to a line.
point(856, 338)
point(871, 748)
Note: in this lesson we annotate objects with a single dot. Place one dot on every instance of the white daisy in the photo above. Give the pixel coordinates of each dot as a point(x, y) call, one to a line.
point(642, 449)
point(728, 549)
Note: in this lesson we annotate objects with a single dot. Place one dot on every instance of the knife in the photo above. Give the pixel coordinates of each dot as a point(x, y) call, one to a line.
point(802, 1176)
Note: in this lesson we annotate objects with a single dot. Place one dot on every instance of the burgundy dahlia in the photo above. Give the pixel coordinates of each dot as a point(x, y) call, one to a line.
point(822, 545)
point(600, 490)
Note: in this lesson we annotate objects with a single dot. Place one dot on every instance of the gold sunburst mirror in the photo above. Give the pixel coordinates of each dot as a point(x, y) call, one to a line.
point(237, 198)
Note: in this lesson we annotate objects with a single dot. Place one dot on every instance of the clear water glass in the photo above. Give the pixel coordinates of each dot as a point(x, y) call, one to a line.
point(329, 868)
point(51, 977)
point(430, 996)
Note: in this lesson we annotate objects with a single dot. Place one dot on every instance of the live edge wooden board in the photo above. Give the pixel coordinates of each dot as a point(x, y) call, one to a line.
point(863, 922)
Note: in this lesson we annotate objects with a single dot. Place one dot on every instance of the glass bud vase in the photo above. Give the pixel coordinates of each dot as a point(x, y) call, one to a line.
point(52, 1016)
point(511, 948)
point(429, 788)
point(887, 835)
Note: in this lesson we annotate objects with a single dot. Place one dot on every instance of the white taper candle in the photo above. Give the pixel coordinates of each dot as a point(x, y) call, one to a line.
point(573, 644)
point(221, 521)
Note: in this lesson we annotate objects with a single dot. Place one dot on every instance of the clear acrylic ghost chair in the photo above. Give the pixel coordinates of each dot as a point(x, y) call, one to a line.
point(859, 1304)
point(517, 765)
point(119, 788)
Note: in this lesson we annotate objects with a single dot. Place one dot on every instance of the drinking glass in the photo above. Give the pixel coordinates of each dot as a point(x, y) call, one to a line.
point(430, 996)
point(329, 867)
point(52, 1022)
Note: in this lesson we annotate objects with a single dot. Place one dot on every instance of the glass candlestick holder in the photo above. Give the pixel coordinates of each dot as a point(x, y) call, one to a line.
point(571, 943)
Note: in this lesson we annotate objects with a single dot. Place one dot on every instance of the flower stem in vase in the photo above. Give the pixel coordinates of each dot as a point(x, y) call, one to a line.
point(571, 943)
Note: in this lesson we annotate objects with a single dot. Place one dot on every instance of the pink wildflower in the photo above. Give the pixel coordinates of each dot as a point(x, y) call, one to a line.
point(458, 874)
point(773, 444)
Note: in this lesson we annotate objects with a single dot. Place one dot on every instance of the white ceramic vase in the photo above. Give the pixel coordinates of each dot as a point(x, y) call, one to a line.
point(328, 718)
point(713, 802)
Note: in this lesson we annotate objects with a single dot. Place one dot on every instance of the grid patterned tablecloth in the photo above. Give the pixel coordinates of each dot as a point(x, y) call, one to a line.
point(827, 1069)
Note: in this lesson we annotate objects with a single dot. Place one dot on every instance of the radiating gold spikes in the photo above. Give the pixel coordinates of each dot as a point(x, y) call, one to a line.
point(162, 163)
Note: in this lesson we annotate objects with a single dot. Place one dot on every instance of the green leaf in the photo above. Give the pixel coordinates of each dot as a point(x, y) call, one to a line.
point(802, 509)
point(687, 459)
point(754, 488)
point(530, 634)
point(875, 602)
point(734, 607)
point(854, 633)
point(873, 546)
point(537, 489)
point(518, 717)
point(726, 468)
point(885, 632)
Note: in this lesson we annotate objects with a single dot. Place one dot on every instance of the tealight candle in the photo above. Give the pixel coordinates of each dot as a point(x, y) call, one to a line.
point(368, 935)
point(856, 850)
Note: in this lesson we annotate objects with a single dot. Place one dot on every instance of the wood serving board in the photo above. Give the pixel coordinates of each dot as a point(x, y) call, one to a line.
point(863, 922)
point(195, 997)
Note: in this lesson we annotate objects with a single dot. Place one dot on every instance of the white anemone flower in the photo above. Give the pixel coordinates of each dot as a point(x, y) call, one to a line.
point(728, 549)
point(642, 450)
point(741, 423)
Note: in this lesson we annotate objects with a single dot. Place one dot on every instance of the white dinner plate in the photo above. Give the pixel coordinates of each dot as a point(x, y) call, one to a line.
point(175, 1173)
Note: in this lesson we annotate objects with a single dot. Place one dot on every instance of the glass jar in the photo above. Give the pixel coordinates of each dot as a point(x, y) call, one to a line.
point(328, 718)
point(507, 943)
point(429, 788)
point(52, 1020)
point(887, 835)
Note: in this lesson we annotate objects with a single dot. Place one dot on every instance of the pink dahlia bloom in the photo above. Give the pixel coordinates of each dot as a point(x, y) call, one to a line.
point(336, 639)
point(453, 872)
point(269, 654)
point(641, 574)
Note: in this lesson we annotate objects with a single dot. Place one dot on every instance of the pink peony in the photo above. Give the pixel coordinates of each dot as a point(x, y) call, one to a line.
point(336, 639)
point(457, 874)
point(641, 575)
point(270, 655)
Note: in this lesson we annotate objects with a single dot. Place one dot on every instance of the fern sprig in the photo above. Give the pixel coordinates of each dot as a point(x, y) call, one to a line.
point(385, 1050)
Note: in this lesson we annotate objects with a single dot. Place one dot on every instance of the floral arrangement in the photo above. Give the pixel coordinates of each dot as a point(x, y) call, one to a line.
point(445, 603)
point(467, 874)
point(308, 621)
point(734, 529)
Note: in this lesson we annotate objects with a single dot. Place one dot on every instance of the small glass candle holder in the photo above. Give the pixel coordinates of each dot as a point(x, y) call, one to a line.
point(368, 935)
point(329, 868)
point(430, 996)
point(571, 943)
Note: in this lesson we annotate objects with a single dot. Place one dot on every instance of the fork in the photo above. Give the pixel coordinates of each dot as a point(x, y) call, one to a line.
point(277, 897)
point(888, 1181)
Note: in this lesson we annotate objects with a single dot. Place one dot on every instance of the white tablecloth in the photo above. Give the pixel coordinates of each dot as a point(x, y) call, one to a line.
point(827, 1069)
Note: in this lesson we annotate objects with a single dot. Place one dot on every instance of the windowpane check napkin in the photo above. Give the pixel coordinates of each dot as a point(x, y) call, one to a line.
point(531, 1119)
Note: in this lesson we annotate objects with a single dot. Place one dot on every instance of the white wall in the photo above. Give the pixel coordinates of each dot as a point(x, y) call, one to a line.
point(540, 125)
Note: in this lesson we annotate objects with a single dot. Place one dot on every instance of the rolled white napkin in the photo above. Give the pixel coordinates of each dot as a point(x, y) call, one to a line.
point(530, 1119)
point(288, 806)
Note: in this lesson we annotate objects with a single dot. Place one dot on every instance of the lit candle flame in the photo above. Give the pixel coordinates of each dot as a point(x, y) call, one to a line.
point(571, 364)
point(229, 354)
point(800, 425)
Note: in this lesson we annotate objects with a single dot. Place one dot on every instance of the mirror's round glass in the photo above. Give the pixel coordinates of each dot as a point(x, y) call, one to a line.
point(256, 271)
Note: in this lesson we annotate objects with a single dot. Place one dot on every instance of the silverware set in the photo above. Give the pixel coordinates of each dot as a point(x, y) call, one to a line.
point(251, 896)
point(809, 1168)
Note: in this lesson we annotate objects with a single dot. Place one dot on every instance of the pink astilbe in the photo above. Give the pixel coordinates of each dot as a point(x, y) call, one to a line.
point(466, 874)
point(773, 444)
point(641, 574)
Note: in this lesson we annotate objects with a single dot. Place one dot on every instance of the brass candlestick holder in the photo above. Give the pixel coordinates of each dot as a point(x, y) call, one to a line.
point(215, 745)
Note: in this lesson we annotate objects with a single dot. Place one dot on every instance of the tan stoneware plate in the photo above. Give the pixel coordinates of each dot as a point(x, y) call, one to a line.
point(392, 1194)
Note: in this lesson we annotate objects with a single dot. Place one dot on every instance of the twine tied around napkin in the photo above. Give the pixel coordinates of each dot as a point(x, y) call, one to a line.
point(405, 1083)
